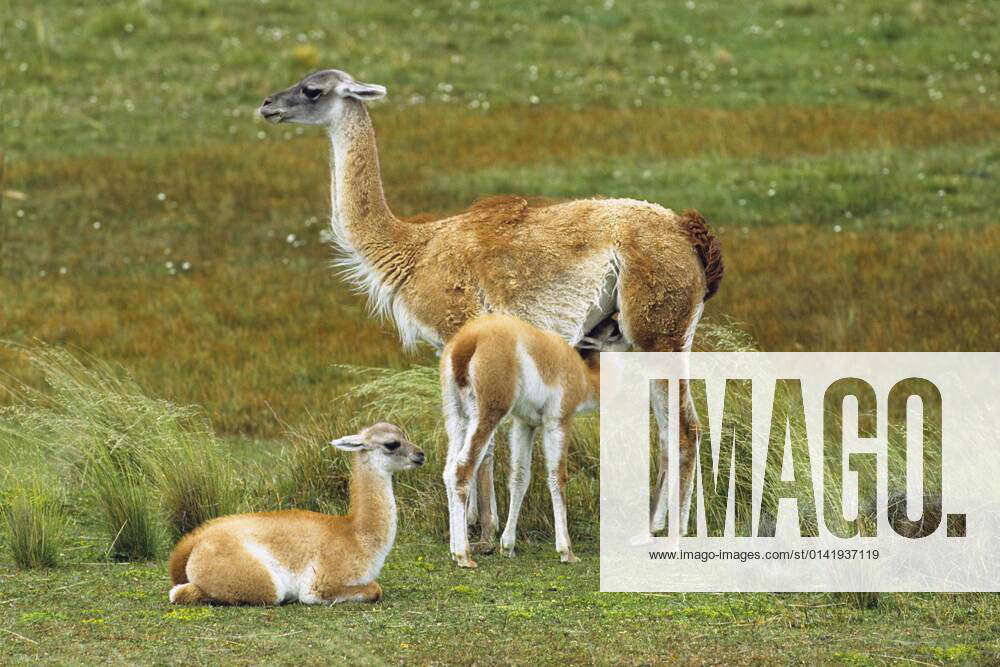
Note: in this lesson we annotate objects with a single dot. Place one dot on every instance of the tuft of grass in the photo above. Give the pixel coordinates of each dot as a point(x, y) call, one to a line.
point(35, 522)
point(147, 466)
point(125, 508)
point(195, 481)
point(309, 474)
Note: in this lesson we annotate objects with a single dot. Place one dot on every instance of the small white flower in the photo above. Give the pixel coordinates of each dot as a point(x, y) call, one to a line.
point(63, 270)
point(161, 196)
point(534, 99)
point(771, 192)
point(837, 228)
point(290, 238)
point(169, 265)
point(97, 224)
point(186, 266)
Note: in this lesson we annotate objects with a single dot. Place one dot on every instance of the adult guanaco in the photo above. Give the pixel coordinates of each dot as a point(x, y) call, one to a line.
point(564, 267)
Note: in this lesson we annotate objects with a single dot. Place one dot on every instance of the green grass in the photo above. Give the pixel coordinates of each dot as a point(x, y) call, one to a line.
point(124, 503)
point(527, 609)
point(138, 466)
point(83, 78)
point(148, 219)
point(33, 519)
point(855, 190)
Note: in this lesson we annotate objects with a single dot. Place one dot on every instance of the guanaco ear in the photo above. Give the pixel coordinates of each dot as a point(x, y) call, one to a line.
point(349, 443)
point(361, 91)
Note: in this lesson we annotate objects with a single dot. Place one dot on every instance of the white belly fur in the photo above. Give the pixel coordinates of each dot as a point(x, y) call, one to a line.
point(288, 585)
point(572, 303)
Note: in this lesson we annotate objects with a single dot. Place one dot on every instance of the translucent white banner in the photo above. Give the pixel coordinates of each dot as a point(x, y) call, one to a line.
point(815, 472)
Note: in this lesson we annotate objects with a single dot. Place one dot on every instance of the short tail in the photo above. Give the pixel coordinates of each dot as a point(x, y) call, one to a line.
point(177, 568)
point(461, 357)
point(187, 594)
point(708, 248)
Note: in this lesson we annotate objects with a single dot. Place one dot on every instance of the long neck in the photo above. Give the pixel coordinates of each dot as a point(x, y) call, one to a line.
point(356, 185)
point(379, 250)
point(373, 504)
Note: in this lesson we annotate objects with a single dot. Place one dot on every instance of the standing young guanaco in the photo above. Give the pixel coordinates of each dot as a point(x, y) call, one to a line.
point(498, 365)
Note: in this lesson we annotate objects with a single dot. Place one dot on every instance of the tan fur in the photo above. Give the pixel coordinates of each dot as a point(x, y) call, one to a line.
point(484, 378)
point(548, 264)
point(493, 341)
point(341, 555)
point(505, 253)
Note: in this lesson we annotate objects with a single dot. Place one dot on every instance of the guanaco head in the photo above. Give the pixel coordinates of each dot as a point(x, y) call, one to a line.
point(605, 337)
point(318, 99)
point(385, 446)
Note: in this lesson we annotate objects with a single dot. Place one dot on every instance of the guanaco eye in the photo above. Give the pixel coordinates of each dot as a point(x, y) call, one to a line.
point(312, 93)
point(391, 446)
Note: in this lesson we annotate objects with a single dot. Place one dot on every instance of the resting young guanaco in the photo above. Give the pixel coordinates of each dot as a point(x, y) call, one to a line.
point(267, 558)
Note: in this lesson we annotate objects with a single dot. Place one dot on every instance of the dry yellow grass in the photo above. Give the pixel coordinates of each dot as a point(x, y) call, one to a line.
point(252, 329)
point(245, 347)
point(803, 288)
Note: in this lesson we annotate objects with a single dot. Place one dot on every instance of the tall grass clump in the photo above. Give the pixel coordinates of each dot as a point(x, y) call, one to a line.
point(196, 482)
point(143, 466)
point(315, 476)
point(125, 505)
point(728, 337)
point(306, 473)
point(34, 520)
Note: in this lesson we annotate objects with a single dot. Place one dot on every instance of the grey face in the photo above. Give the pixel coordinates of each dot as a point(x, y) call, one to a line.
point(318, 99)
point(387, 443)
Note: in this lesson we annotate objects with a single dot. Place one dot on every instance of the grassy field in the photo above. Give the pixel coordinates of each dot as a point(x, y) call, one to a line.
point(526, 610)
point(845, 153)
